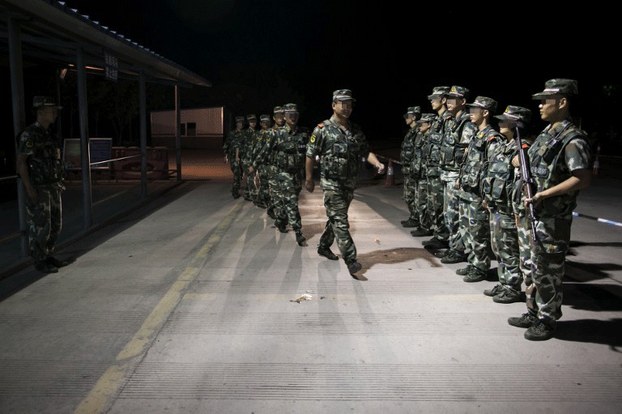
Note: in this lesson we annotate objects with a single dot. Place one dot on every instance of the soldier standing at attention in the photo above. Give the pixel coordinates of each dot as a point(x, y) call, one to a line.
point(560, 166)
point(406, 157)
point(341, 145)
point(40, 168)
point(250, 194)
point(232, 154)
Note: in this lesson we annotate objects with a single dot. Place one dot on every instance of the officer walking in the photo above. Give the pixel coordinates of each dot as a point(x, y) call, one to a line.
point(41, 170)
point(341, 145)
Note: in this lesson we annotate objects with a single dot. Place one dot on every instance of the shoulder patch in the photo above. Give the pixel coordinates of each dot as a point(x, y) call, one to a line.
point(312, 139)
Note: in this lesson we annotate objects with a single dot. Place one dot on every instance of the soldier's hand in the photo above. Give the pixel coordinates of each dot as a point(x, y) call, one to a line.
point(226, 159)
point(535, 199)
point(380, 167)
point(310, 185)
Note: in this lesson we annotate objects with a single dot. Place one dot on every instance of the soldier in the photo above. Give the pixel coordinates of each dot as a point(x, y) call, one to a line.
point(560, 166)
point(40, 168)
point(232, 154)
point(258, 164)
point(419, 172)
point(456, 138)
point(406, 157)
point(289, 161)
point(497, 189)
point(474, 216)
point(435, 190)
point(340, 144)
point(250, 194)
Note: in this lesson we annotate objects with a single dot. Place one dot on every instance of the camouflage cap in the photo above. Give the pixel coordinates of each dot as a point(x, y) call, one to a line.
point(290, 107)
point(515, 113)
point(278, 110)
point(484, 102)
point(239, 119)
point(44, 101)
point(458, 92)
point(438, 92)
point(427, 117)
point(413, 110)
point(264, 118)
point(251, 117)
point(554, 87)
point(343, 95)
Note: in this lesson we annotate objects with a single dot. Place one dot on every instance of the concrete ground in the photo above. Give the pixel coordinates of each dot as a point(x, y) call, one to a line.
point(188, 304)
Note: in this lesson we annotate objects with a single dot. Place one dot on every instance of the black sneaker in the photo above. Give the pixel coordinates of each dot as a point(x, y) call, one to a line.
point(409, 223)
point(281, 227)
point(354, 267)
point(327, 253)
point(235, 195)
point(497, 289)
point(45, 267)
point(300, 239)
point(454, 256)
point(464, 271)
point(421, 233)
point(270, 213)
point(474, 275)
point(59, 263)
point(441, 253)
point(540, 331)
point(508, 295)
point(526, 320)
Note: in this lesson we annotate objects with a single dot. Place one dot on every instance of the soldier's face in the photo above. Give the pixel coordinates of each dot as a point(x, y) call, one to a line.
point(265, 124)
point(507, 129)
point(279, 119)
point(252, 124)
point(343, 108)
point(291, 118)
point(424, 127)
point(409, 119)
point(476, 115)
point(436, 103)
point(49, 114)
point(550, 109)
point(455, 105)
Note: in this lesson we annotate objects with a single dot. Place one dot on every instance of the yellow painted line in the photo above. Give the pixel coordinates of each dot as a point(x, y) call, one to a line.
point(101, 397)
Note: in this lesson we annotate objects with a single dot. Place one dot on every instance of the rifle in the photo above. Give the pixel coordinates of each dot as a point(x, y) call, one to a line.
point(527, 181)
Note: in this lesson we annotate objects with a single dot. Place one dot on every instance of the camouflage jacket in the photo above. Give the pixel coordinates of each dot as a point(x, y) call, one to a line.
point(45, 166)
point(408, 150)
point(340, 152)
point(458, 133)
point(234, 141)
point(498, 179)
point(286, 153)
point(476, 160)
point(554, 155)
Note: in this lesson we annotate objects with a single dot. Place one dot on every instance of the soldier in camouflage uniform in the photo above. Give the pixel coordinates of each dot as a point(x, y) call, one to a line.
point(231, 148)
point(289, 160)
point(341, 145)
point(474, 216)
point(257, 163)
point(406, 156)
point(418, 176)
point(40, 168)
point(457, 135)
point(248, 179)
point(560, 166)
point(497, 187)
point(435, 190)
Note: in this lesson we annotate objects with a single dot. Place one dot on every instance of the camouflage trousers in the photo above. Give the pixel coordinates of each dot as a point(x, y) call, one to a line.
point(236, 169)
point(434, 207)
point(504, 244)
point(421, 203)
point(337, 203)
point(248, 182)
point(285, 200)
point(451, 211)
point(409, 198)
point(524, 247)
point(263, 192)
point(475, 231)
point(44, 222)
point(549, 256)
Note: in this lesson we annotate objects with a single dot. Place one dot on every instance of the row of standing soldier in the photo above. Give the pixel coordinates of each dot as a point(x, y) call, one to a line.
point(463, 186)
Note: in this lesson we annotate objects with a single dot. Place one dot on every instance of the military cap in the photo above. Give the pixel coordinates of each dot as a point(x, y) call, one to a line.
point(554, 87)
point(290, 107)
point(251, 117)
point(413, 110)
point(239, 119)
point(438, 92)
point(44, 101)
point(515, 113)
point(264, 118)
point(484, 102)
point(278, 110)
point(343, 95)
point(427, 117)
point(458, 92)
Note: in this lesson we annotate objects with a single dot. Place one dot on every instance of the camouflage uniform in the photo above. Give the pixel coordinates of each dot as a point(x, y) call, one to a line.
point(246, 155)
point(341, 151)
point(259, 163)
point(234, 141)
point(45, 170)
point(497, 188)
point(559, 150)
point(457, 135)
point(474, 217)
point(406, 158)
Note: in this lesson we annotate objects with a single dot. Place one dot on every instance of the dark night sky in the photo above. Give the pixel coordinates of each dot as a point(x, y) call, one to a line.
point(318, 46)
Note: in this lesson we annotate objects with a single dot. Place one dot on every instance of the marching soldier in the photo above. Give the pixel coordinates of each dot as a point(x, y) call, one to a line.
point(231, 147)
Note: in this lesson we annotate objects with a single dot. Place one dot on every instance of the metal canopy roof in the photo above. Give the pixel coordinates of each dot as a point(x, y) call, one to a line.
point(53, 32)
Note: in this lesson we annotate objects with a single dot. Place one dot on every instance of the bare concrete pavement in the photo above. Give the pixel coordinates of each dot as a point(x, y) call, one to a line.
point(188, 308)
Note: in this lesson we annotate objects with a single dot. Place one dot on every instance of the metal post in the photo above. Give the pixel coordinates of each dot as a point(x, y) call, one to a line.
point(19, 116)
point(178, 131)
point(142, 102)
point(85, 156)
